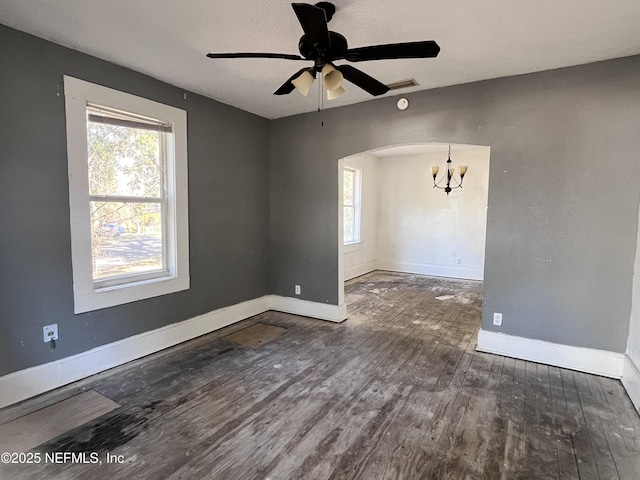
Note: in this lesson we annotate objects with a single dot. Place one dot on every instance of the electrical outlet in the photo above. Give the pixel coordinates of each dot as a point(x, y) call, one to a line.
point(50, 332)
point(497, 319)
point(297, 289)
point(459, 260)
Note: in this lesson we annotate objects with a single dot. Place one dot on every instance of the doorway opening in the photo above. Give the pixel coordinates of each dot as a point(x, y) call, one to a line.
point(392, 218)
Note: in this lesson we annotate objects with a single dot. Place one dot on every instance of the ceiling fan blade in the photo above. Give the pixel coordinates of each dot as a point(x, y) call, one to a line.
point(286, 56)
point(314, 23)
point(288, 87)
point(362, 80)
point(426, 49)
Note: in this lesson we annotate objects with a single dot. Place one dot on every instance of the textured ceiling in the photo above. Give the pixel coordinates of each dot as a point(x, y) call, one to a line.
point(168, 40)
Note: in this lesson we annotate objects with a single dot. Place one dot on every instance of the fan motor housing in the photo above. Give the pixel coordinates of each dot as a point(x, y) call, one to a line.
point(337, 50)
point(329, 9)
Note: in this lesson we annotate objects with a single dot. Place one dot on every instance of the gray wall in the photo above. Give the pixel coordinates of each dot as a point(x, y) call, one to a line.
point(563, 193)
point(228, 192)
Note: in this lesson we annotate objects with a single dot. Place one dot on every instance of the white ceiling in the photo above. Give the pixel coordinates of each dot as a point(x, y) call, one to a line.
point(480, 39)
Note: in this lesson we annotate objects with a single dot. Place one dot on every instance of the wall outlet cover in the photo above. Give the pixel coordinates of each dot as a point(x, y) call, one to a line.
point(497, 319)
point(50, 332)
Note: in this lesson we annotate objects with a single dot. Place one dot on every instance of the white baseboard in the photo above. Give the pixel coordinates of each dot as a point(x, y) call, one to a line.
point(453, 271)
point(295, 306)
point(33, 381)
point(631, 381)
point(588, 360)
point(359, 270)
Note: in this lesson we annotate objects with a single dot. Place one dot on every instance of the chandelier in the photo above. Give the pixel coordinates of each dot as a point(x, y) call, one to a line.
point(451, 180)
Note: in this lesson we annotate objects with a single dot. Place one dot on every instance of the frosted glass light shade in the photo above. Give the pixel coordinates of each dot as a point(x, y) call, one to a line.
point(332, 78)
point(463, 169)
point(303, 82)
point(435, 170)
point(335, 93)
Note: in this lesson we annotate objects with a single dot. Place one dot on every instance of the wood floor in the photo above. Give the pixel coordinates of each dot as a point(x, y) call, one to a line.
point(395, 392)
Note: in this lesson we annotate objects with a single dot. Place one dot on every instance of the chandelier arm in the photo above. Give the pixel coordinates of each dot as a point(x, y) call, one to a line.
point(437, 184)
point(455, 184)
point(458, 184)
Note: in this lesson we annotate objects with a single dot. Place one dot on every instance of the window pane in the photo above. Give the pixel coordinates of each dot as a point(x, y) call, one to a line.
point(348, 186)
point(124, 161)
point(349, 217)
point(126, 238)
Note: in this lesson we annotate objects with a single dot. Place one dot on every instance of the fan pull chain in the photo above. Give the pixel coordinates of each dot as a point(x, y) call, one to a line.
point(320, 93)
point(320, 99)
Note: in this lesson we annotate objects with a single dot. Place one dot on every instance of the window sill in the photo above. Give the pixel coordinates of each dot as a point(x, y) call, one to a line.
point(127, 293)
point(126, 281)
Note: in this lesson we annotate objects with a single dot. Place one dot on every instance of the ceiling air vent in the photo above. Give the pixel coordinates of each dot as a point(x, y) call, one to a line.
point(403, 84)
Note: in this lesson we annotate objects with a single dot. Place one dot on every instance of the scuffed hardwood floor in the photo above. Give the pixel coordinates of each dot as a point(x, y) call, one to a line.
point(395, 392)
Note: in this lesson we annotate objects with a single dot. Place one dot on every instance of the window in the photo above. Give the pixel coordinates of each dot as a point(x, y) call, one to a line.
point(128, 196)
point(351, 205)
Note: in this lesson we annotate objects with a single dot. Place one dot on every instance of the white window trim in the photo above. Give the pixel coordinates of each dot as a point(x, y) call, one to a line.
point(353, 246)
point(86, 297)
point(357, 205)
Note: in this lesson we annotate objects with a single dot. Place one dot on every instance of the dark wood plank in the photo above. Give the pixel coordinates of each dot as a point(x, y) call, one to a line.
point(627, 462)
point(582, 443)
point(564, 427)
point(625, 416)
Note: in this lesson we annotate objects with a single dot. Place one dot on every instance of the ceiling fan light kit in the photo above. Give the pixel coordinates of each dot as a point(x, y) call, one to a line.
point(303, 82)
point(332, 81)
point(335, 93)
point(324, 47)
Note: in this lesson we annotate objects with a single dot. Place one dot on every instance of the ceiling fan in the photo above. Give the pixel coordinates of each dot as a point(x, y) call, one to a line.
point(323, 47)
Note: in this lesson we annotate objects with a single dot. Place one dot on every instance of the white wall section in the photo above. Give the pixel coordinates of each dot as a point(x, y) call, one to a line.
point(631, 376)
point(360, 257)
point(421, 229)
point(408, 226)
